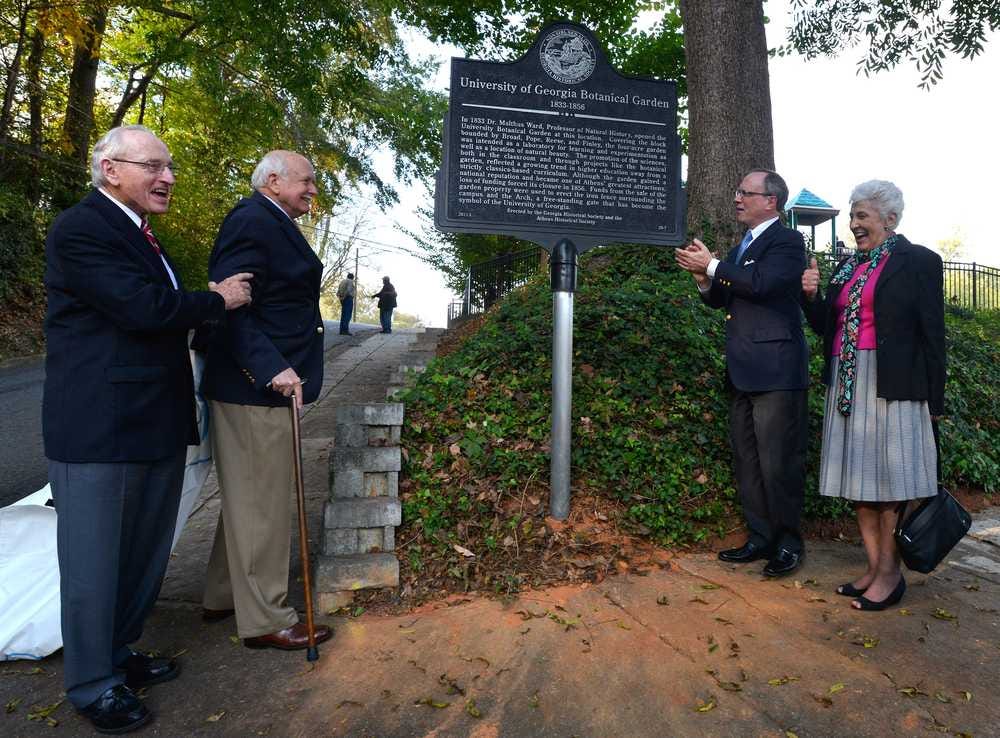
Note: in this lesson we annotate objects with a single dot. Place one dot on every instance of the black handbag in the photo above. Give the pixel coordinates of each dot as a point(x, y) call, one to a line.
point(931, 531)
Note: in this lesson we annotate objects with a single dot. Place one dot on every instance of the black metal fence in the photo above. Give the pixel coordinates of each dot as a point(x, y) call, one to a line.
point(490, 281)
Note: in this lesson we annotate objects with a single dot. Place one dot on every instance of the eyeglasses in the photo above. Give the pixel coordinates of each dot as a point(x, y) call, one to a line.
point(744, 193)
point(153, 167)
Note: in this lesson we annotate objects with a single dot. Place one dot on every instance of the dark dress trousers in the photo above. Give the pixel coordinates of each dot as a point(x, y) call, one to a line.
point(117, 414)
point(909, 326)
point(282, 326)
point(768, 372)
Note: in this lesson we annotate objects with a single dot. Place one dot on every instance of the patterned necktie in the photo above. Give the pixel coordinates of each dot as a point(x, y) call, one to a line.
point(743, 245)
point(148, 233)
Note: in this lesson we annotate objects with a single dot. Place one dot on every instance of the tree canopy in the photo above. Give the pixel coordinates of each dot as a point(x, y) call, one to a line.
point(893, 31)
point(222, 82)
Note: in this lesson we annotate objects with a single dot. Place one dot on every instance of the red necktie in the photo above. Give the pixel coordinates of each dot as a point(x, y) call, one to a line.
point(148, 233)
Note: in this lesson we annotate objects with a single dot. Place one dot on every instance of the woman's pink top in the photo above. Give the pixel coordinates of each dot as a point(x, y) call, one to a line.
point(866, 332)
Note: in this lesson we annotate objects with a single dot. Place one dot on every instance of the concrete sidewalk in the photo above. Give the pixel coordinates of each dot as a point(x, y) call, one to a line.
point(694, 648)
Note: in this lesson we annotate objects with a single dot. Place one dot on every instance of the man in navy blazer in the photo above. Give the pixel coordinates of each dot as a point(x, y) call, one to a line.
point(767, 360)
point(265, 354)
point(117, 415)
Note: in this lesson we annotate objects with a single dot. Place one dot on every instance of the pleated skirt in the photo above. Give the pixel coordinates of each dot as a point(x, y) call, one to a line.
point(883, 451)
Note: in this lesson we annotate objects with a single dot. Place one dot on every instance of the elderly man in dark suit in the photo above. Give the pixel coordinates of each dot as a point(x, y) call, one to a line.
point(758, 285)
point(264, 355)
point(118, 412)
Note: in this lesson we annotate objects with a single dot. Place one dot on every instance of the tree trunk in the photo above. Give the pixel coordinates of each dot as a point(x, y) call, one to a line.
point(13, 72)
point(34, 74)
point(78, 125)
point(729, 110)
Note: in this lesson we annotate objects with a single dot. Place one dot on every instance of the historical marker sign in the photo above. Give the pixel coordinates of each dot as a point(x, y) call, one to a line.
point(560, 145)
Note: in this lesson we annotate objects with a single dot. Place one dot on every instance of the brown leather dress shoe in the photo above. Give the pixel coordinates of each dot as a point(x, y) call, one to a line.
point(214, 616)
point(289, 639)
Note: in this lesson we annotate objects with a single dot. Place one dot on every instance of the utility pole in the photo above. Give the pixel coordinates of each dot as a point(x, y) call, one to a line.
point(357, 292)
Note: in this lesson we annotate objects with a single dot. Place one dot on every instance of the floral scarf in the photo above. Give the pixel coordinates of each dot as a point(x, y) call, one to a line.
point(852, 317)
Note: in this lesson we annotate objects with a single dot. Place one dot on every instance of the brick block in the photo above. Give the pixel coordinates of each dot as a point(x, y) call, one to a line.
point(349, 435)
point(369, 458)
point(347, 482)
point(389, 538)
point(370, 540)
point(384, 435)
point(329, 602)
point(361, 571)
point(377, 484)
point(340, 541)
point(386, 413)
point(362, 512)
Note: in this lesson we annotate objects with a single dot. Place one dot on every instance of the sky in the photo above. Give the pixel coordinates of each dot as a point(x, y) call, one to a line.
point(833, 129)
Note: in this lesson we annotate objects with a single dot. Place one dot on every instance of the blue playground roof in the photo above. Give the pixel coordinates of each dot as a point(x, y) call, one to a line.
point(806, 199)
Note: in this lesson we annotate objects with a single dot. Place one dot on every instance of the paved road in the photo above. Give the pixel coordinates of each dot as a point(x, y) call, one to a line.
point(22, 459)
point(22, 462)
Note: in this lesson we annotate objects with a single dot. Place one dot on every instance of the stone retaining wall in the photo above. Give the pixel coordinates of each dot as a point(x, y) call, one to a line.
point(361, 515)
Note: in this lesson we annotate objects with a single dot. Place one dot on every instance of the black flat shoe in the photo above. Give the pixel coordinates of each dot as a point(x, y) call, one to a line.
point(849, 590)
point(143, 671)
point(863, 603)
point(786, 561)
point(116, 711)
point(749, 551)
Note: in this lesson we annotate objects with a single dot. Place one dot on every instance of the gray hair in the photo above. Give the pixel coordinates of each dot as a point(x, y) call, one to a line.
point(274, 162)
point(774, 184)
point(884, 196)
point(111, 145)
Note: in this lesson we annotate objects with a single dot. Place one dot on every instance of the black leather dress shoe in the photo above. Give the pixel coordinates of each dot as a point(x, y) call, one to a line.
point(785, 562)
point(142, 670)
point(749, 551)
point(117, 710)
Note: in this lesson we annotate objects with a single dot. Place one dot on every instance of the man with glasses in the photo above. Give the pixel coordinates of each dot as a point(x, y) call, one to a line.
point(117, 415)
point(266, 353)
point(758, 285)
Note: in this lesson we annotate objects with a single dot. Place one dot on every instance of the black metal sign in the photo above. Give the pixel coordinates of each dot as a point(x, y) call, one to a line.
point(560, 145)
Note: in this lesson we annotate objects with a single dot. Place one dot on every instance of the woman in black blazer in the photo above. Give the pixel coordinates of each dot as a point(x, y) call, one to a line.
point(882, 323)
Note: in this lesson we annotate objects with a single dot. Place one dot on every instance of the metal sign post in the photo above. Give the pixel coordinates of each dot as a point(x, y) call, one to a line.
point(563, 264)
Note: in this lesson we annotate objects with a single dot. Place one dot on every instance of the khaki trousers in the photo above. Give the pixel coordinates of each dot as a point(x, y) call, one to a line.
point(248, 568)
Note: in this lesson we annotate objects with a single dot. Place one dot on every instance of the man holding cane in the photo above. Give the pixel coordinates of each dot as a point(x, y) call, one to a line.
point(262, 358)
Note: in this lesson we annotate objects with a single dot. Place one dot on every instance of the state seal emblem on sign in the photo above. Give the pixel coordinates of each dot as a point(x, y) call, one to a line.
point(567, 56)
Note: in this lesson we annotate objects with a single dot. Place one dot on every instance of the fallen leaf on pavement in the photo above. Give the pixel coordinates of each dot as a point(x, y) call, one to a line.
point(431, 702)
point(215, 718)
point(706, 706)
point(470, 707)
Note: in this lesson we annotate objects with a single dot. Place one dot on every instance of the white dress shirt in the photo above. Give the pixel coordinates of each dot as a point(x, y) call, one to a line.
point(138, 224)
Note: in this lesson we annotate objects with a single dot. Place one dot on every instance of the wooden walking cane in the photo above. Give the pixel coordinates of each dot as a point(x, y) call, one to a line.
point(312, 652)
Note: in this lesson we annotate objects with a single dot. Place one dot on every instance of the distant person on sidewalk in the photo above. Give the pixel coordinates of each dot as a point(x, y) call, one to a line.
point(345, 293)
point(117, 415)
point(882, 323)
point(264, 354)
point(759, 286)
point(386, 303)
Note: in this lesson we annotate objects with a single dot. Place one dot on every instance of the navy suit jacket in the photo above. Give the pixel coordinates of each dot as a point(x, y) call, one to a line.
point(909, 326)
point(118, 385)
point(282, 327)
point(765, 344)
